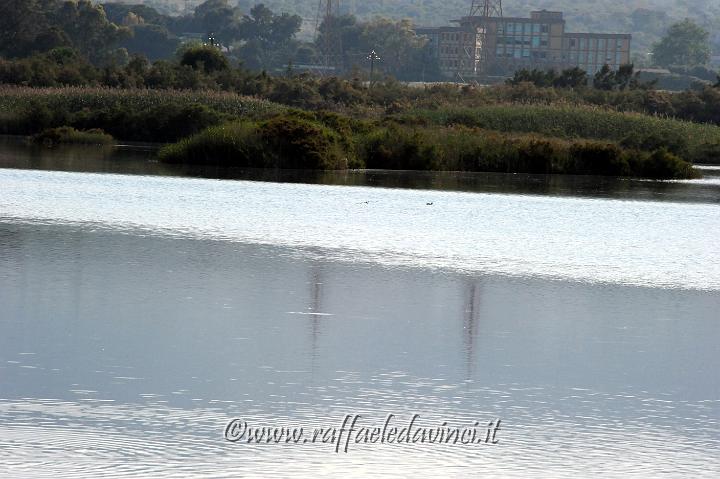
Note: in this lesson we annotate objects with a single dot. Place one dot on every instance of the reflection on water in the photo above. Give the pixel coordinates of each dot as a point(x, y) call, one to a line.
point(125, 355)
point(139, 314)
point(141, 161)
point(555, 237)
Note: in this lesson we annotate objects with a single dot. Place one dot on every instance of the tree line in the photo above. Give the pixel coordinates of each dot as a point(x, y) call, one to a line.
point(256, 36)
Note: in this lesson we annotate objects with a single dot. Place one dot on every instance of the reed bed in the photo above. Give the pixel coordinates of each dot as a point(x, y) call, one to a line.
point(693, 141)
point(14, 98)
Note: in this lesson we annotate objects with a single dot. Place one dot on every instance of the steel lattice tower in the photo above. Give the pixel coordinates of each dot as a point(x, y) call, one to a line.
point(486, 8)
point(327, 20)
point(481, 14)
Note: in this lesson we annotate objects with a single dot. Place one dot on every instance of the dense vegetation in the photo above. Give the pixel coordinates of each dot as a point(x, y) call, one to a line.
point(695, 142)
point(328, 141)
point(282, 142)
point(61, 89)
point(67, 135)
point(141, 115)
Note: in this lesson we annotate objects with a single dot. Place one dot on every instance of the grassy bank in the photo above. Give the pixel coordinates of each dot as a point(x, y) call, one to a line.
point(230, 129)
point(473, 149)
point(694, 142)
point(300, 142)
point(135, 115)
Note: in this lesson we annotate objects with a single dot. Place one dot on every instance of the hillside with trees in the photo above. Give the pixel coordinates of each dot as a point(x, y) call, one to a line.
point(647, 20)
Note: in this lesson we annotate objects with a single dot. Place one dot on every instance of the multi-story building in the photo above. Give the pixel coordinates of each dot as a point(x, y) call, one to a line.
point(502, 45)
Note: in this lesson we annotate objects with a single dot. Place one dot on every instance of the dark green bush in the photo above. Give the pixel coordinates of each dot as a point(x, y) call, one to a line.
point(537, 156)
point(399, 148)
point(295, 143)
point(466, 149)
point(595, 158)
point(662, 165)
point(283, 142)
point(204, 57)
point(67, 135)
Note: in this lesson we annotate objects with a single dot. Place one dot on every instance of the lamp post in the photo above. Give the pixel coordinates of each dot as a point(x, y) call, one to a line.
point(373, 57)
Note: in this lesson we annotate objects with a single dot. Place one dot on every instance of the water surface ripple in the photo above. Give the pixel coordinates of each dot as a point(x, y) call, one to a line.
point(598, 240)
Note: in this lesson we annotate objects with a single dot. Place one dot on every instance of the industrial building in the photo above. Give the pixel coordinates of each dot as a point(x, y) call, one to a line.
point(490, 44)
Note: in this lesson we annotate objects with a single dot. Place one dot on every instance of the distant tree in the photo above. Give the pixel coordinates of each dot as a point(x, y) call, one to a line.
point(21, 21)
point(89, 29)
point(118, 12)
point(624, 78)
point(220, 19)
point(571, 78)
point(153, 41)
point(604, 79)
point(400, 49)
point(685, 44)
point(36, 26)
point(267, 39)
point(403, 53)
point(205, 57)
point(539, 78)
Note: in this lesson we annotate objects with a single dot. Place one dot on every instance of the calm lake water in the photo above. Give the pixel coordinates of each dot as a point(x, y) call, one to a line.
point(139, 313)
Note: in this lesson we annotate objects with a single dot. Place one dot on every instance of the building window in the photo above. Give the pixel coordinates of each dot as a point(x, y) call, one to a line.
point(535, 42)
point(573, 43)
point(601, 44)
point(618, 58)
point(583, 44)
point(545, 28)
point(536, 28)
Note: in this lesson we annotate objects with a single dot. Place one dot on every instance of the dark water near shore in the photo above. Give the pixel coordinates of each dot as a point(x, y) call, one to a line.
point(139, 313)
point(140, 159)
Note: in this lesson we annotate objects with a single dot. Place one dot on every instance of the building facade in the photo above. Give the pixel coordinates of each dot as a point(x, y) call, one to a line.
point(497, 46)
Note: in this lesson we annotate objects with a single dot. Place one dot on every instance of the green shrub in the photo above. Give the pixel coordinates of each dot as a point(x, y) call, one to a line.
point(283, 142)
point(67, 135)
point(204, 57)
point(399, 148)
point(538, 156)
point(295, 143)
point(235, 144)
point(662, 165)
point(595, 158)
